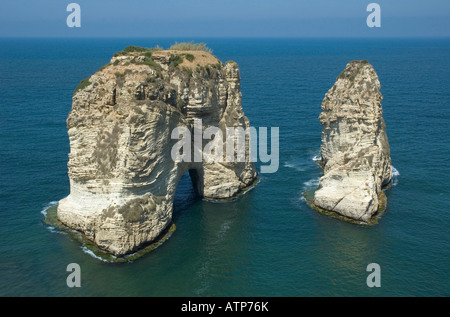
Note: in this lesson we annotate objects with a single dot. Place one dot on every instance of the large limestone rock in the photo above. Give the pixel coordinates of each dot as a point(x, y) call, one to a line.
point(355, 148)
point(122, 176)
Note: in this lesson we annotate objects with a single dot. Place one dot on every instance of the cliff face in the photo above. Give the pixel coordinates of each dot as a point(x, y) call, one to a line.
point(122, 176)
point(355, 149)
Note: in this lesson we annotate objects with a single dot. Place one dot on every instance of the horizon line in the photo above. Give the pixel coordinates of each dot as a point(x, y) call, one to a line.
point(232, 37)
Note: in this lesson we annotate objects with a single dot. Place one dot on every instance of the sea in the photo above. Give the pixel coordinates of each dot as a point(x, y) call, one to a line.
point(267, 242)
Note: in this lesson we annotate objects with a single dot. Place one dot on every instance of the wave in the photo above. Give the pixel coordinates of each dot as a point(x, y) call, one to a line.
point(317, 158)
point(395, 175)
point(296, 166)
point(55, 230)
point(395, 171)
point(89, 252)
point(310, 184)
point(303, 164)
point(49, 205)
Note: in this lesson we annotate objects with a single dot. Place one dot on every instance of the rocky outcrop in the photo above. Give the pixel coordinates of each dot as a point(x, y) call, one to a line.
point(122, 175)
point(355, 149)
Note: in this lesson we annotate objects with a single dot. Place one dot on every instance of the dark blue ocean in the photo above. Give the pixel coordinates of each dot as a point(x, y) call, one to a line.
point(268, 242)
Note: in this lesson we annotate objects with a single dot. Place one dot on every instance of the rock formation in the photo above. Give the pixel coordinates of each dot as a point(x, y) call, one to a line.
point(355, 149)
point(122, 176)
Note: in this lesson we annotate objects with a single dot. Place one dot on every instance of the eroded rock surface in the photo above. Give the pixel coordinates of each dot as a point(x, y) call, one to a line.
point(122, 176)
point(355, 149)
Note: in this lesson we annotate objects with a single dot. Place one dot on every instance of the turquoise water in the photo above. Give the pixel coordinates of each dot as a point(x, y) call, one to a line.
point(268, 242)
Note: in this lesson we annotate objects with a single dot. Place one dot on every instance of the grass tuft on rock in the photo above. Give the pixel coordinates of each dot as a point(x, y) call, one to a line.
point(83, 84)
point(190, 57)
point(136, 49)
point(190, 46)
point(175, 60)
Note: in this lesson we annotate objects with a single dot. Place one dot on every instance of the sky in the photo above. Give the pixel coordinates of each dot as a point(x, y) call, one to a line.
point(225, 18)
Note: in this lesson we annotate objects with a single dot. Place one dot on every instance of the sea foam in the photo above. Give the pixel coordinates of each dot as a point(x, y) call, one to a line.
point(302, 164)
point(395, 175)
point(89, 252)
point(49, 205)
point(312, 183)
point(317, 158)
point(296, 166)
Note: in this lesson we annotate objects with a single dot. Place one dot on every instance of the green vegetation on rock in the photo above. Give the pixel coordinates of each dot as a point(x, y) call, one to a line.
point(190, 46)
point(104, 66)
point(190, 57)
point(175, 60)
point(146, 52)
point(137, 49)
point(83, 84)
point(147, 61)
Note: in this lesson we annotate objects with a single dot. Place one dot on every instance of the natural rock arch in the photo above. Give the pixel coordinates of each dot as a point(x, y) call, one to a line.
point(122, 176)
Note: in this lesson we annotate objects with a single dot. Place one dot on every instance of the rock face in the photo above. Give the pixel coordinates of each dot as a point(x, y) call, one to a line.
point(122, 176)
point(355, 149)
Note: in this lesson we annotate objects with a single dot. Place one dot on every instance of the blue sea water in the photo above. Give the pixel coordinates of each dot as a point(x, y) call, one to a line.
point(268, 242)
